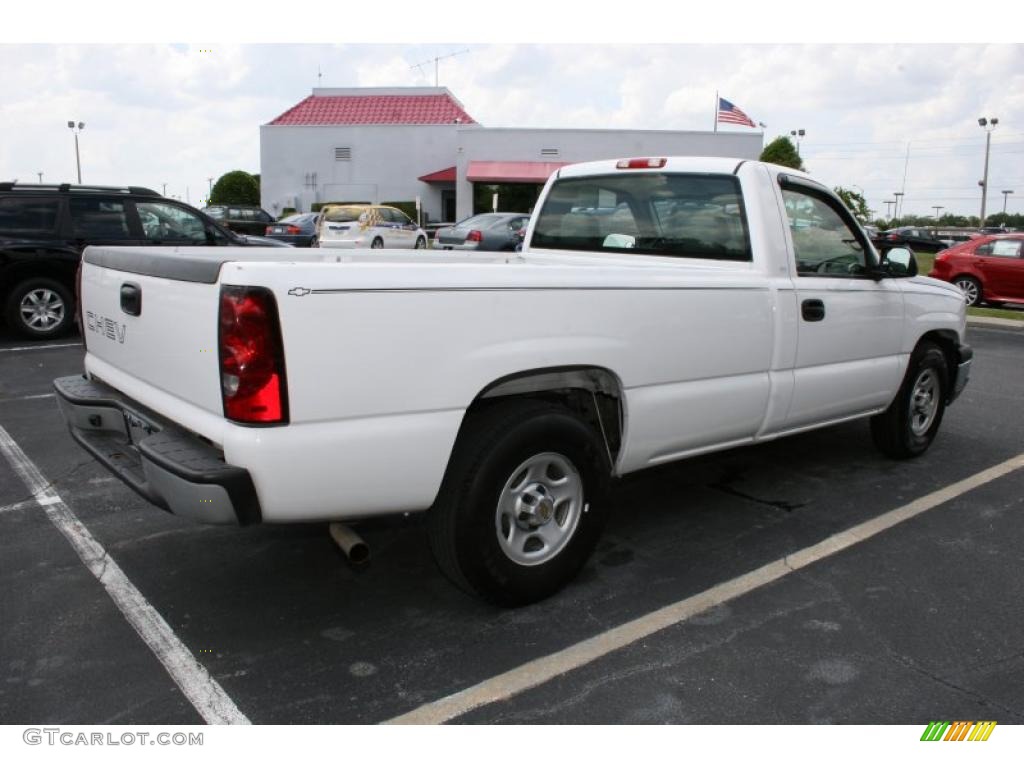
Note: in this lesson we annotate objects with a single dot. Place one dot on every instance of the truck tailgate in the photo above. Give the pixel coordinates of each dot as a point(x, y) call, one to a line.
point(150, 322)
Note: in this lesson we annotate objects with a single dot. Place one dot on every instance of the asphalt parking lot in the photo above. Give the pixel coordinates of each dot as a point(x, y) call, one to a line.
point(922, 621)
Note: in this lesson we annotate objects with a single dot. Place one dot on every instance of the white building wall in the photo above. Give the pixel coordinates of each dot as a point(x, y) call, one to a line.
point(577, 146)
point(386, 163)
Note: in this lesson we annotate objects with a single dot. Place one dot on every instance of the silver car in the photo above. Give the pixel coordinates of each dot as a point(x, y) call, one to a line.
point(483, 232)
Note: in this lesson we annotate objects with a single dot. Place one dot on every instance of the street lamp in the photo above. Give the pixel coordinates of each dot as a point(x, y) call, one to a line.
point(888, 211)
point(1006, 194)
point(898, 195)
point(164, 184)
point(40, 175)
point(937, 209)
point(797, 134)
point(988, 125)
point(78, 160)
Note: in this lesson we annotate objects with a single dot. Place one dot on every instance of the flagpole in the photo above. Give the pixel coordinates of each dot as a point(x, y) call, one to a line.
point(716, 111)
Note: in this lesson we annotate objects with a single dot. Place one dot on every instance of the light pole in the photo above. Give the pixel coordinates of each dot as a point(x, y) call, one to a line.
point(888, 211)
point(1006, 194)
point(210, 196)
point(897, 195)
point(988, 125)
point(40, 175)
point(164, 184)
point(937, 209)
point(78, 159)
point(797, 135)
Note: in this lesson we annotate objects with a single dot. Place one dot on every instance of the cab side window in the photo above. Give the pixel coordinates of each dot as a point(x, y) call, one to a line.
point(823, 243)
point(96, 218)
point(165, 222)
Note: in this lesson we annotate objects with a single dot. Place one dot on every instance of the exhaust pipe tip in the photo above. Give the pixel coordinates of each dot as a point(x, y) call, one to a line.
point(356, 551)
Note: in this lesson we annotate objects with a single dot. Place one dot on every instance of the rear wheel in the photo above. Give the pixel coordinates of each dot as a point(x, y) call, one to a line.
point(40, 308)
point(909, 425)
point(314, 243)
point(377, 243)
point(421, 242)
point(522, 504)
point(971, 289)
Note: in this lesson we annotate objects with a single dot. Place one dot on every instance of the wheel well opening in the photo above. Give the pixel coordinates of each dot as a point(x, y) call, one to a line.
point(595, 394)
point(949, 343)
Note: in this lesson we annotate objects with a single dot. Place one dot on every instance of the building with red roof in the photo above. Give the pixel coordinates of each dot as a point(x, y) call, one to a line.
point(403, 145)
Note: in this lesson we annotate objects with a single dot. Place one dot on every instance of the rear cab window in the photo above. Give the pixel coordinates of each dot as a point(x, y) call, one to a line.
point(686, 215)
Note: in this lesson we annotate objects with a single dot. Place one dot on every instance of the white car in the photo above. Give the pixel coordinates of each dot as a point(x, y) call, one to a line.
point(367, 226)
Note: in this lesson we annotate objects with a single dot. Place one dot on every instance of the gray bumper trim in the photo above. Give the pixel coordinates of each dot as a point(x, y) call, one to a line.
point(165, 465)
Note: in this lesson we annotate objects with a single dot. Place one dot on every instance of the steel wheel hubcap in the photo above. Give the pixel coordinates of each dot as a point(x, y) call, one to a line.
point(42, 309)
point(924, 402)
point(539, 509)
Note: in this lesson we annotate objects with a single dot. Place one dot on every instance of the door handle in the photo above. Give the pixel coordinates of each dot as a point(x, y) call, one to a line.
point(131, 299)
point(813, 310)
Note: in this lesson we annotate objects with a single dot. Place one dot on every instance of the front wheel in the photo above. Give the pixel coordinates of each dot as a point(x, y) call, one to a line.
point(909, 425)
point(421, 242)
point(522, 504)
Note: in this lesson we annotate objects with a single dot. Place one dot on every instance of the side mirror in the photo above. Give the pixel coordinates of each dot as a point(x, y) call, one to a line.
point(900, 262)
point(619, 241)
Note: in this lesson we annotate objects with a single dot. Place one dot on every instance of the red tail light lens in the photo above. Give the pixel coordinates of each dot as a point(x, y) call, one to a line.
point(252, 376)
point(267, 230)
point(642, 162)
point(293, 230)
point(474, 236)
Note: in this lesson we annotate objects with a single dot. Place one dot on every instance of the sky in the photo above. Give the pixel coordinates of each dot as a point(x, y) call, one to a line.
point(179, 114)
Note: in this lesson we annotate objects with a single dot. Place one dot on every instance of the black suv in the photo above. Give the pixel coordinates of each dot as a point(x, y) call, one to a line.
point(44, 228)
point(246, 219)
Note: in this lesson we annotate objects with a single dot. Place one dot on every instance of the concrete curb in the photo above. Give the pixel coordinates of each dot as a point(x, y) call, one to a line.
point(995, 322)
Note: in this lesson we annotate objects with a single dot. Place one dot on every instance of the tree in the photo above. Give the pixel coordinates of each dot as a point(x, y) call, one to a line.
point(855, 202)
point(782, 152)
point(235, 188)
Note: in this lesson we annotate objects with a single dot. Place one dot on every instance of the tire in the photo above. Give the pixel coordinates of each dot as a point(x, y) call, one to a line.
point(909, 425)
point(552, 471)
point(314, 243)
point(421, 242)
point(971, 289)
point(40, 308)
point(377, 243)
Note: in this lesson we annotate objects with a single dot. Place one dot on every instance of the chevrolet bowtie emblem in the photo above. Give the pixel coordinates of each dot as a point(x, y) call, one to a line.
point(299, 291)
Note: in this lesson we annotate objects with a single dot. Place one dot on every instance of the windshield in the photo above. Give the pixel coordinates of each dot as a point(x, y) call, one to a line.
point(659, 214)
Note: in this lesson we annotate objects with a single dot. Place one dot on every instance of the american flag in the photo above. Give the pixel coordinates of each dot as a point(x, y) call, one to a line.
point(730, 113)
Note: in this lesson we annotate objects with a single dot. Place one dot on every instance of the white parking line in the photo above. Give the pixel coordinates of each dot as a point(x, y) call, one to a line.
point(26, 397)
point(199, 687)
point(40, 346)
point(539, 671)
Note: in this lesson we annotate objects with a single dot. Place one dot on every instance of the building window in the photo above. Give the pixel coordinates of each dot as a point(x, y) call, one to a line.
point(343, 153)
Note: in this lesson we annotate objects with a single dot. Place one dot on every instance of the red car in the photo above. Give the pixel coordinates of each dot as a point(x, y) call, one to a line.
point(987, 269)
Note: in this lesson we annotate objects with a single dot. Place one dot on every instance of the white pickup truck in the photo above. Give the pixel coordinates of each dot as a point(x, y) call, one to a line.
point(661, 308)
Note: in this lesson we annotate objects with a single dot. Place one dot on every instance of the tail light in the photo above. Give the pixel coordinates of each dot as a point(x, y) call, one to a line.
point(293, 230)
point(267, 230)
point(892, 237)
point(474, 236)
point(252, 376)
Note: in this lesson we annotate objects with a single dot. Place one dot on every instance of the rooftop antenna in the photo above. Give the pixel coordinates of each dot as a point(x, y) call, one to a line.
point(435, 60)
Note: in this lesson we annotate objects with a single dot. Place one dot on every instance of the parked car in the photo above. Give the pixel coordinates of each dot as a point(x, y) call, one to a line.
point(367, 226)
point(244, 219)
point(44, 229)
point(431, 228)
point(504, 395)
point(299, 230)
point(988, 269)
point(915, 238)
point(483, 232)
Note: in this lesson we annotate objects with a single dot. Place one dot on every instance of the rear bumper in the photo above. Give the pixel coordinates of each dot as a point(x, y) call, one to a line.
point(168, 467)
point(471, 246)
point(963, 371)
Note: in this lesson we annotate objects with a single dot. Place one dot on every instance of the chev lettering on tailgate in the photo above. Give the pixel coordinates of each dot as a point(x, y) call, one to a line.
point(105, 326)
